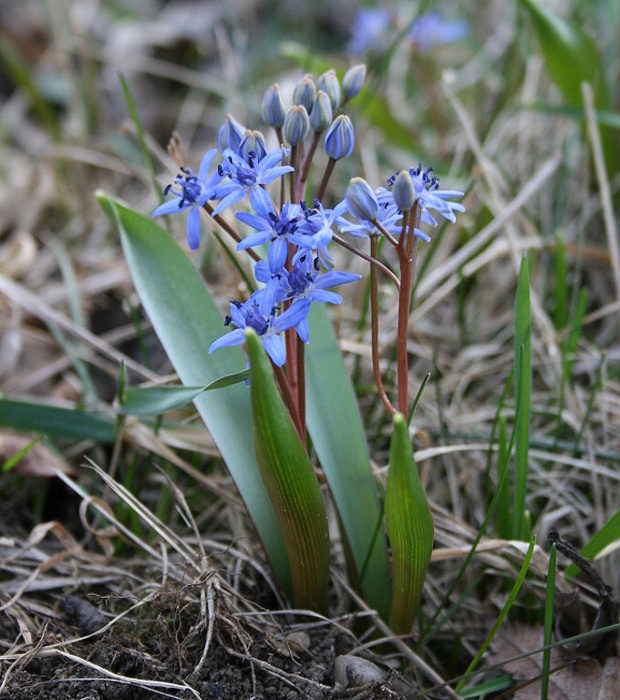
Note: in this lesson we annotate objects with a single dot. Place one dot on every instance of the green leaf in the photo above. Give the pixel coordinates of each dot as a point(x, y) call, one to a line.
point(56, 421)
point(571, 58)
point(334, 423)
point(409, 527)
point(523, 389)
point(290, 482)
point(187, 321)
point(151, 401)
point(570, 55)
point(16, 458)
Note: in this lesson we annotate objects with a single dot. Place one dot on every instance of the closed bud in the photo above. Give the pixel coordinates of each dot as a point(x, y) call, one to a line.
point(403, 192)
point(328, 82)
point(305, 92)
point(272, 109)
point(339, 140)
point(361, 200)
point(230, 134)
point(252, 145)
point(296, 125)
point(353, 81)
point(321, 115)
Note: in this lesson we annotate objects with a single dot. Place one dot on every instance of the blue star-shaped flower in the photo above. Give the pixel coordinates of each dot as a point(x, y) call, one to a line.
point(194, 191)
point(259, 313)
point(271, 227)
point(315, 229)
point(245, 175)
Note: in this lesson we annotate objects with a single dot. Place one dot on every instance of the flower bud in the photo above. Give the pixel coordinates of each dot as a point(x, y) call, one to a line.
point(230, 134)
point(353, 81)
point(328, 82)
point(296, 125)
point(321, 115)
point(305, 93)
point(272, 109)
point(339, 140)
point(361, 200)
point(252, 144)
point(403, 192)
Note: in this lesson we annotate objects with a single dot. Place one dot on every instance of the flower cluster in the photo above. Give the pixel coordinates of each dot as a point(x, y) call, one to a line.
point(293, 237)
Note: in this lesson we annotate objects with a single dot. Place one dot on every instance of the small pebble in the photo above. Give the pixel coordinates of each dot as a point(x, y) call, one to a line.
point(353, 672)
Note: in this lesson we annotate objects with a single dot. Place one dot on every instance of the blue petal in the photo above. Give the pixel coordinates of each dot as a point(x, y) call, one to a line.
point(193, 228)
point(235, 196)
point(334, 278)
point(295, 313)
point(254, 221)
point(255, 239)
point(303, 330)
point(322, 295)
point(277, 254)
point(236, 337)
point(261, 202)
point(268, 161)
point(269, 175)
point(275, 348)
point(262, 272)
point(169, 207)
point(205, 164)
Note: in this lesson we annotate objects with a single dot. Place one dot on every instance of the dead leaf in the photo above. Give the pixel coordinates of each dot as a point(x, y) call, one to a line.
point(39, 461)
point(572, 677)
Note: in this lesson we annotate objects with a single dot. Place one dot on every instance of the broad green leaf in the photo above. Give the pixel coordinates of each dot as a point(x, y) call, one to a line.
point(570, 55)
point(56, 421)
point(153, 400)
point(523, 389)
point(409, 527)
point(334, 423)
point(571, 58)
point(187, 321)
point(291, 484)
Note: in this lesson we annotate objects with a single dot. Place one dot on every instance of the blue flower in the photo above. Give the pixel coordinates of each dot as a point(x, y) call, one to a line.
point(195, 191)
point(430, 29)
point(270, 227)
point(371, 32)
point(429, 196)
point(245, 175)
point(315, 231)
point(259, 314)
point(387, 213)
point(304, 284)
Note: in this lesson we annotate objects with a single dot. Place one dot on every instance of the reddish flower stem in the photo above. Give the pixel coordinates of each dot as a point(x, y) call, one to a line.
point(374, 316)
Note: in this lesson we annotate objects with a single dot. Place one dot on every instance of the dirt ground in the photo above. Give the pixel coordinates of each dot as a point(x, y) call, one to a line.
point(154, 653)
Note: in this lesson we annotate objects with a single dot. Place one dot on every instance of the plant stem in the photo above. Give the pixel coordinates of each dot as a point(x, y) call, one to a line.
point(301, 387)
point(307, 162)
point(329, 169)
point(373, 262)
point(374, 316)
point(406, 249)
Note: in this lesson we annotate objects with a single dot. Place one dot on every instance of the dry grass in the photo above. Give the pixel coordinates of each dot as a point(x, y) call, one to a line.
point(68, 318)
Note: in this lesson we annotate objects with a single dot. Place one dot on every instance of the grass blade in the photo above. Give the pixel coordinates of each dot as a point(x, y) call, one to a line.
point(523, 388)
point(502, 616)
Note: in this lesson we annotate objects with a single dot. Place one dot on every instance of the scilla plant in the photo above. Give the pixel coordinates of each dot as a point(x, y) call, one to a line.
point(296, 392)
